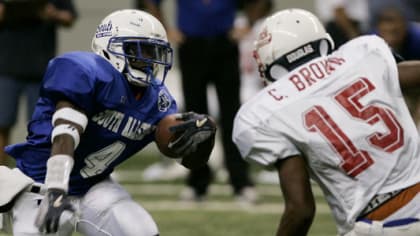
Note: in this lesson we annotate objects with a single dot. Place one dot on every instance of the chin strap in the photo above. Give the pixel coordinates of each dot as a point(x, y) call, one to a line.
point(135, 81)
point(138, 77)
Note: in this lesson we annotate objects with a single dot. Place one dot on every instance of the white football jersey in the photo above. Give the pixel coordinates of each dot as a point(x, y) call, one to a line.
point(346, 115)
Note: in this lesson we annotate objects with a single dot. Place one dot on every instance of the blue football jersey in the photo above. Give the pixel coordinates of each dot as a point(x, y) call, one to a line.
point(119, 125)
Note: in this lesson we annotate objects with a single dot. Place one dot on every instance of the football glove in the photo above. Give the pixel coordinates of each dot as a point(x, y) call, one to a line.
point(195, 129)
point(50, 210)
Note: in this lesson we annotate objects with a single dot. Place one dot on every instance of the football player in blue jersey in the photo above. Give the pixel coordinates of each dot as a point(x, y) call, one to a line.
point(95, 111)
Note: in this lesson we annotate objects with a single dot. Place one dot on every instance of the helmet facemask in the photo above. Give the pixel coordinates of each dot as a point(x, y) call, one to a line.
point(143, 57)
point(136, 45)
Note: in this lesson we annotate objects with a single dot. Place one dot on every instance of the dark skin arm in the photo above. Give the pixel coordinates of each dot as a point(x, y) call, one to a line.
point(64, 144)
point(175, 36)
point(298, 197)
point(345, 23)
point(63, 17)
point(50, 13)
point(409, 74)
point(55, 201)
point(153, 9)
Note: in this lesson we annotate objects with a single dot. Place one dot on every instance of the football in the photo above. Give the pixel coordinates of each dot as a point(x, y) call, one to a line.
point(197, 159)
point(163, 136)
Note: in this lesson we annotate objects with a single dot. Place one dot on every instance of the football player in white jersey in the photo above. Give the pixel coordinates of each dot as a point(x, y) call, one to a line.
point(339, 118)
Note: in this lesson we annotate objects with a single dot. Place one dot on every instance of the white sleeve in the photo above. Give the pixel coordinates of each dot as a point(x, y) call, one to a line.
point(383, 49)
point(369, 44)
point(263, 146)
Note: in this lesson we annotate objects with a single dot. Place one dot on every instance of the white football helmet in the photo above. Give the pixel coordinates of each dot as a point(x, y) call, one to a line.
point(135, 43)
point(288, 39)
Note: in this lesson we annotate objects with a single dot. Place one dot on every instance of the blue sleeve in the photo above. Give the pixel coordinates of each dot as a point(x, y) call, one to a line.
point(67, 80)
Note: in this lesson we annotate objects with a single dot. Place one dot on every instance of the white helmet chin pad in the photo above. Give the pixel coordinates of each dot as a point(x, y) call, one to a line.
point(287, 39)
point(135, 43)
point(137, 77)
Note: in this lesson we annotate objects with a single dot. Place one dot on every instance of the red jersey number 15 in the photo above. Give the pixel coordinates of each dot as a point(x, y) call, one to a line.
point(354, 160)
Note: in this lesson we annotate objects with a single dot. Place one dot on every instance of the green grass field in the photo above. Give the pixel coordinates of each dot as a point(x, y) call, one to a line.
point(219, 215)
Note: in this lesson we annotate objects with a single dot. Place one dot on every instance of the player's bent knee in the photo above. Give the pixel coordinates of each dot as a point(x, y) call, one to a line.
point(125, 217)
point(132, 220)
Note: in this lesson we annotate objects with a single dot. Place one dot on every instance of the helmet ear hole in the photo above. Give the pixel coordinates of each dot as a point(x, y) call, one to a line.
point(106, 54)
point(277, 71)
point(324, 47)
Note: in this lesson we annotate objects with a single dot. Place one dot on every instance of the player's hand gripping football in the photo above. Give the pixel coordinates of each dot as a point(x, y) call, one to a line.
point(194, 130)
point(52, 207)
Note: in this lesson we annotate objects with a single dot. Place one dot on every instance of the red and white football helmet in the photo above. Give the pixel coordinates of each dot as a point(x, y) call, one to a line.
point(136, 44)
point(287, 39)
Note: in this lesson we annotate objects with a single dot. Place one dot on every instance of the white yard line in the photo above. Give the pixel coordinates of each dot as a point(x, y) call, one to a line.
point(220, 206)
point(138, 189)
point(215, 189)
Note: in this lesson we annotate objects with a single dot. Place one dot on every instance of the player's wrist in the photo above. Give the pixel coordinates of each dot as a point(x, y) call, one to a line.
point(59, 167)
point(56, 190)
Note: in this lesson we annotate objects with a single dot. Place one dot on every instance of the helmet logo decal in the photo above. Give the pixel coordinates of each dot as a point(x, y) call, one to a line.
point(157, 35)
point(163, 101)
point(104, 30)
point(299, 53)
point(264, 38)
point(137, 23)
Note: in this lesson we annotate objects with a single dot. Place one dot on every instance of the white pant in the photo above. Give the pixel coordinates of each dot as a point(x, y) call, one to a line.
point(376, 229)
point(107, 209)
point(410, 210)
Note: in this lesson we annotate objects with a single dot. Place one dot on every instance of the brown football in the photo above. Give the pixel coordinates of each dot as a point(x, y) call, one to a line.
point(163, 136)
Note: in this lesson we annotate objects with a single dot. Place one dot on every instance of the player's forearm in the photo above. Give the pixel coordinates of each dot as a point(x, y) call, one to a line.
point(1, 11)
point(63, 144)
point(62, 17)
point(155, 10)
point(68, 124)
point(345, 23)
point(65, 18)
point(409, 73)
point(60, 163)
point(295, 222)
